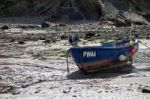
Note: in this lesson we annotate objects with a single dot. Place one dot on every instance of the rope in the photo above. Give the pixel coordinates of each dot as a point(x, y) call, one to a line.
point(67, 62)
point(144, 54)
point(145, 45)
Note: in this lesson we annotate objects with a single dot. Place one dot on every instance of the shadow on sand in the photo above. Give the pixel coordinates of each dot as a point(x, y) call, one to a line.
point(111, 73)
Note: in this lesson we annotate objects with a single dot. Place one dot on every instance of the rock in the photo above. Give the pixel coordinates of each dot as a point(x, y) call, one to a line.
point(122, 13)
point(70, 88)
point(74, 96)
point(45, 25)
point(37, 91)
point(53, 40)
point(46, 41)
point(89, 35)
point(148, 37)
point(12, 40)
point(6, 88)
point(75, 91)
point(66, 91)
point(69, 11)
point(121, 20)
point(129, 89)
point(62, 25)
point(28, 26)
point(6, 68)
point(0, 78)
point(64, 37)
point(73, 10)
point(42, 38)
point(66, 11)
point(4, 27)
point(21, 42)
point(146, 90)
point(15, 92)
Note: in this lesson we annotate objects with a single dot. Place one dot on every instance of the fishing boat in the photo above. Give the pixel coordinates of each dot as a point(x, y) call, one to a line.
point(104, 56)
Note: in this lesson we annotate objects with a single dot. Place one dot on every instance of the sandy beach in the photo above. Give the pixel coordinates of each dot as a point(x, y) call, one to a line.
point(36, 35)
point(36, 70)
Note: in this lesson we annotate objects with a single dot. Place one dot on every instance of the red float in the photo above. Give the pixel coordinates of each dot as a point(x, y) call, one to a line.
point(132, 51)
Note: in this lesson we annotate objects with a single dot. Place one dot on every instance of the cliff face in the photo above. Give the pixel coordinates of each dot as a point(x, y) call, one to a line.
point(76, 10)
point(71, 10)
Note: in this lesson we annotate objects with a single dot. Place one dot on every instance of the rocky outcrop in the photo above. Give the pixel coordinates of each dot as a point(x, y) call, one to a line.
point(74, 10)
point(126, 11)
point(80, 10)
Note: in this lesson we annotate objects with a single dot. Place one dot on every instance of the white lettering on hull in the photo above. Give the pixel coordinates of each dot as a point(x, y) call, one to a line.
point(89, 54)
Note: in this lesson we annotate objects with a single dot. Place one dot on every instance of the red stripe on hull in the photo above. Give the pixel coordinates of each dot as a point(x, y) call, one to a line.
point(96, 66)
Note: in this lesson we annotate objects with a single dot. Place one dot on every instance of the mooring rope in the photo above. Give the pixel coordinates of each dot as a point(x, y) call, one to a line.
point(145, 46)
point(144, 54)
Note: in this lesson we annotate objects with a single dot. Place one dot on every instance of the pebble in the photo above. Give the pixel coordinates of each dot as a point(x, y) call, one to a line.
point(66, 91)
point(37, 91)
point(21, 42)
point(74, 96)
point(15, 92)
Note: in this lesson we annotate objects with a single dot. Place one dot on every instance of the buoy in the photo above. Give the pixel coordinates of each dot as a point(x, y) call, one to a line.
point(133, 51)
point(122, 58)
point(131, 43)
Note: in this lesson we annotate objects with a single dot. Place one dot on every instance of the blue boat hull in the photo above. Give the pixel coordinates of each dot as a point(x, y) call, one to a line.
point(90, 59)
